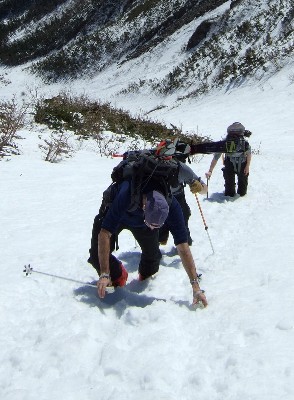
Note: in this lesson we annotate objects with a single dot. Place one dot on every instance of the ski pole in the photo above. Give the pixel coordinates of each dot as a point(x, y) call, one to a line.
point(205, 225)
point(28, 270)
point(207, 180)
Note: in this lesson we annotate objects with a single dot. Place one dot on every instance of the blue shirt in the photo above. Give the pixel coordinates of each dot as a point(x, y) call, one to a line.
point(118, 215)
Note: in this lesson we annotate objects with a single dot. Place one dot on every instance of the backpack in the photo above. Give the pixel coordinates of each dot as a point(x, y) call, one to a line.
point(237, 153)
point(146, 171)
point(236, 144)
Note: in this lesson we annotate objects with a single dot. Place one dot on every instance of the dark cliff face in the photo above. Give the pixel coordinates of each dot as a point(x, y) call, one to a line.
point(200, 34)
point(225, 42)
point(90, 34)
point(178, 17)
point(47, 25)
point(12, 9)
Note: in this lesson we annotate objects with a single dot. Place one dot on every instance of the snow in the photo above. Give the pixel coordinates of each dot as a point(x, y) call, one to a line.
point(59, 340)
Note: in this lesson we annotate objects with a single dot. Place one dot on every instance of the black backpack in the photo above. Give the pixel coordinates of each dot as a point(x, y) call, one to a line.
point(146, 171)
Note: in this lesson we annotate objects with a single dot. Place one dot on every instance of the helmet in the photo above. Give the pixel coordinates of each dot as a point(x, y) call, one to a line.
point(166, 148)
point(236, 129)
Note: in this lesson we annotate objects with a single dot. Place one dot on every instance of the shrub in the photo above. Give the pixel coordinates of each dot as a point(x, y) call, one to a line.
point(12, 119)
point(91, 119)
point(86, 118)
point(57, 146)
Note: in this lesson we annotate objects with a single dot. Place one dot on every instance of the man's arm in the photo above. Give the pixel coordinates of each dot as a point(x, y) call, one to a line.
point(189, 265)
point(248, 161)
point(187, 175)
point(103, 254)
point(213, 163)
point(229, 145)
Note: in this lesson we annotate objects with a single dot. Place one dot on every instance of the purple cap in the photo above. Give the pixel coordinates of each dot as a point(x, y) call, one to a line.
point(156, 209)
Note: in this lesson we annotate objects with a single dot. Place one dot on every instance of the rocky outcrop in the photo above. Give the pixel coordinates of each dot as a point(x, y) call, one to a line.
point(199, 35)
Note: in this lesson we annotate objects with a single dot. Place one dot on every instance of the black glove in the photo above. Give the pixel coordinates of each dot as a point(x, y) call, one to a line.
point(247, 133)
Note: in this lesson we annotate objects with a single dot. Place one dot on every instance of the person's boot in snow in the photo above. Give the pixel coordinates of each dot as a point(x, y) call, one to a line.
point(122, 280)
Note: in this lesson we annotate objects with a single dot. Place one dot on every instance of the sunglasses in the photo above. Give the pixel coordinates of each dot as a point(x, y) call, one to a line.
point(152, 226)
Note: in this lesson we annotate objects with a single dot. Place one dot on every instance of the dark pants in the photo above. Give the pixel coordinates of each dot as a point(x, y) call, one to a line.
point(147, 240)
point(164, 231)
point(229, 177)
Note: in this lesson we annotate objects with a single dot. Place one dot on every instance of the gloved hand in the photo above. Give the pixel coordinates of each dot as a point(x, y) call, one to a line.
point(208, 174)
point(196, 187)
point(247, 133)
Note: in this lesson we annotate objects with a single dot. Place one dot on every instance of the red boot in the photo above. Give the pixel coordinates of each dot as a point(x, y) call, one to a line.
point(140, 277)
point(122, 280)
point(143, 278)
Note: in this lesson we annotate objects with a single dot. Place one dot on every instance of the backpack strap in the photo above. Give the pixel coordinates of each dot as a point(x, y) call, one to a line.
point(237, 161)
point(107, 198)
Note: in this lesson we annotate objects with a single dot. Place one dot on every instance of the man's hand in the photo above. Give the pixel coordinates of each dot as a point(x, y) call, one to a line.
point(102, 284)
point(196, 187)
point(199, 297)
point(208, 174)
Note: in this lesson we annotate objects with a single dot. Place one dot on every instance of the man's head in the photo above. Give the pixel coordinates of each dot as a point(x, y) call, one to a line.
point(236, 129)
point(156, 209)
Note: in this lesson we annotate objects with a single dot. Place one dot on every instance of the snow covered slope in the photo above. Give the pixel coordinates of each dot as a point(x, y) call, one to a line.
point(59, 340)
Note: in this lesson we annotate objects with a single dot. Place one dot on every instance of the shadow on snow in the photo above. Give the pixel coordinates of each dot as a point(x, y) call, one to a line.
point(129, 296)
point(218, 197)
